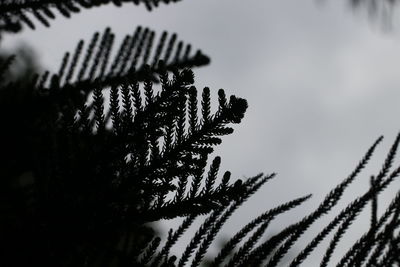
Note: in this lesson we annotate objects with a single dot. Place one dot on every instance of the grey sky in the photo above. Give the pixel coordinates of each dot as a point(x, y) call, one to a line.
point(322, 85)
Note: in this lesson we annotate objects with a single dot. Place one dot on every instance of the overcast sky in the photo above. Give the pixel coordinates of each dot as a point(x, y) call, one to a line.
point(322, 82)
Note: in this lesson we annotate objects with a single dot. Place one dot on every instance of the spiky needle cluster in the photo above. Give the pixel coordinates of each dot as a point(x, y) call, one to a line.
point(14, 14)
point(95, 152)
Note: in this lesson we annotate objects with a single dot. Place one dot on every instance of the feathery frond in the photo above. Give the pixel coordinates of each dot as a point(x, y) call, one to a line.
point(14, 14)
point(130, 60)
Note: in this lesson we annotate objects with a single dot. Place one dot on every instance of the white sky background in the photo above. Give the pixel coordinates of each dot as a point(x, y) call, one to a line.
point(322, 84)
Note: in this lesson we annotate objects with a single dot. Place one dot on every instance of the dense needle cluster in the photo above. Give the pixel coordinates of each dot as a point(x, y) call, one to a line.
point(94, 153)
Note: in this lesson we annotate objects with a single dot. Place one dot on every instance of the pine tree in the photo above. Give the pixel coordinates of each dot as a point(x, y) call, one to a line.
point(82, 180)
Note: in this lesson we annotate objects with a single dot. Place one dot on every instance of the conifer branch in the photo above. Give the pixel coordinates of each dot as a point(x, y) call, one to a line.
point(13, 14)
point(130, 61)
point(263, 218)
point(331, 199)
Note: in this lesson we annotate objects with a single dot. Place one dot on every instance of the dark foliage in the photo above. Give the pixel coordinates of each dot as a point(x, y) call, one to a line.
point(374, 5)
point(81, 180)
point(377, 10)
point(15, 14)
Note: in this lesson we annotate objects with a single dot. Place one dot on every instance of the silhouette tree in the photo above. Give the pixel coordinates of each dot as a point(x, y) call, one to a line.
point(81, 179)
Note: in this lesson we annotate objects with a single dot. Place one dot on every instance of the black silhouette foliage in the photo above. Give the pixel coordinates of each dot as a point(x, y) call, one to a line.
point(93, 154)
point(16, 14)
